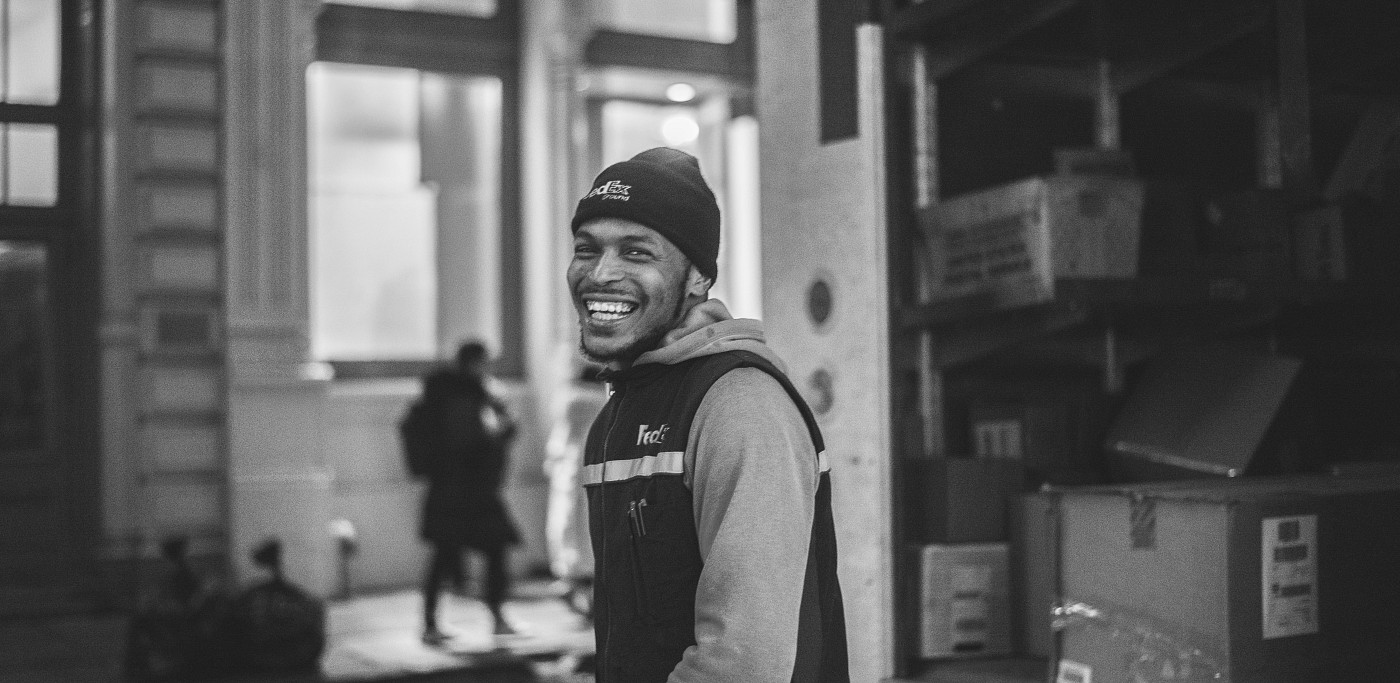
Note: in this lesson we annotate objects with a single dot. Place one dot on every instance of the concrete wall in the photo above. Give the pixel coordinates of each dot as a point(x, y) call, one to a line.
point(823, 219)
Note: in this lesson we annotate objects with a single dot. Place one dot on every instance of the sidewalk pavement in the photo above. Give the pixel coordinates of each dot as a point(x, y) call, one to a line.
point(369, 638)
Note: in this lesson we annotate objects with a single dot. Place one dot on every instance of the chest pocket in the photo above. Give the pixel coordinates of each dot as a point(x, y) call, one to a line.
point(665, 556)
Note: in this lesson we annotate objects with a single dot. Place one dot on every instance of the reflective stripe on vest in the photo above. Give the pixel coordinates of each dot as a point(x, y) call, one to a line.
point(665, 462)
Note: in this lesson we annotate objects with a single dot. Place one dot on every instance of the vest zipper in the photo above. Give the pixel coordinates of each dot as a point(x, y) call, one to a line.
point(602, 564)
point(638, 526)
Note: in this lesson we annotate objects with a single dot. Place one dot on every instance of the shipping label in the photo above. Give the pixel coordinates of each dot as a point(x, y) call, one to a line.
point(1289, 568)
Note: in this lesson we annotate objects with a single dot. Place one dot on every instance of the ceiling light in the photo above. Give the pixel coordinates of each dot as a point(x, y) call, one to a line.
point(680, 92)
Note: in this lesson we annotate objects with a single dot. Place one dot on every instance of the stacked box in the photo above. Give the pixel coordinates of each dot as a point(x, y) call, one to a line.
point(1252, 580)
point(1009, 243)
point(964, 601)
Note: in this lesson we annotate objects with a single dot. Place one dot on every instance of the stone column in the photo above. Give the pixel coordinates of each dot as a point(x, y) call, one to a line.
point(278, 480)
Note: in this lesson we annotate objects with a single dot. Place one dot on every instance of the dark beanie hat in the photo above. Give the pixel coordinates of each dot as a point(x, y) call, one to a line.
point(662, 189)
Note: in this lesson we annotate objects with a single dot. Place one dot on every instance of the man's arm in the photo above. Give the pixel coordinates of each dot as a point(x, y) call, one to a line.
point(754, 483)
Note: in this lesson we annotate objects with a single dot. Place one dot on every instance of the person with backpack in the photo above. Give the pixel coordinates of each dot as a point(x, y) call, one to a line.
point(457, 437)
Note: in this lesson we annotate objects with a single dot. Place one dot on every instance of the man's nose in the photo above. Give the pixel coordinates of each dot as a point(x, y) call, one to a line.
point(608, 268)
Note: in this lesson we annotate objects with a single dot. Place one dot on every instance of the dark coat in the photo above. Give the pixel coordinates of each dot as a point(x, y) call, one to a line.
point(463, 506)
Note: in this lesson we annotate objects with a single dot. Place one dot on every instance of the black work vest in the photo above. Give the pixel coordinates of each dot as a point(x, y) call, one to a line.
point(642, 525)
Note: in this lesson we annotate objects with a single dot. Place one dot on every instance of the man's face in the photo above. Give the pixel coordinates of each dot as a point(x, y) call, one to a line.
point(629, 288)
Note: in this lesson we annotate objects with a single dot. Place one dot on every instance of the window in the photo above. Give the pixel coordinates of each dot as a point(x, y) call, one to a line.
point(30, 153)
point(413, 205)
point(37, 121)
point(30, 51)
point(49, 287)
point(405, 207)
point(29, 88)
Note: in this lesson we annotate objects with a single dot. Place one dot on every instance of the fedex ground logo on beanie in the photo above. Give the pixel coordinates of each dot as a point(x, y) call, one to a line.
point(611, 190)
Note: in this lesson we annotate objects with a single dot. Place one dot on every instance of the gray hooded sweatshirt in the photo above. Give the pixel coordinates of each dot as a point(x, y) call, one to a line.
point(753, 483)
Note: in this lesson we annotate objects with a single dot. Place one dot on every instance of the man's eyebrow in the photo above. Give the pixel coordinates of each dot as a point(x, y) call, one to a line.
point(647, 240)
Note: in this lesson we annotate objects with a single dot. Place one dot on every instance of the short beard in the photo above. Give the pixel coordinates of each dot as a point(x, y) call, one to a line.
point(643, 345)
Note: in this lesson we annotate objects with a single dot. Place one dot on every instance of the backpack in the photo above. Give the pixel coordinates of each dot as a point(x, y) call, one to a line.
point(418, 440)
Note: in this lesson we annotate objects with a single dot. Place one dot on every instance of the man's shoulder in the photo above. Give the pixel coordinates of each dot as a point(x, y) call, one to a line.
point(749, 387)
point(748, 406)
point(756, 392)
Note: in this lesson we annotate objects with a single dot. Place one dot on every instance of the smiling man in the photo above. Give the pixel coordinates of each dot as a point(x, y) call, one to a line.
point(709, 498)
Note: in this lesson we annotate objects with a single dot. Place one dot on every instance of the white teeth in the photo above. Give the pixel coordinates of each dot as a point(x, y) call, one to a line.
point(609, 310)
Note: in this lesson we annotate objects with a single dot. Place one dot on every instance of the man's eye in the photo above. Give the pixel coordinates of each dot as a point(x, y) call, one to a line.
point(584, 249)
point(637, 253)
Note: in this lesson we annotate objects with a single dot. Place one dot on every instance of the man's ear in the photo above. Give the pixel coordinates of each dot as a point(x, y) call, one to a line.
point(697, 284)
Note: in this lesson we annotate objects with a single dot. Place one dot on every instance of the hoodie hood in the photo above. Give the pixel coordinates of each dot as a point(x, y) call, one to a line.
point(709, 329)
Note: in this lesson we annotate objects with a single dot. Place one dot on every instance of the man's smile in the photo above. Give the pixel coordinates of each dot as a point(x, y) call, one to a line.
point(608, 311)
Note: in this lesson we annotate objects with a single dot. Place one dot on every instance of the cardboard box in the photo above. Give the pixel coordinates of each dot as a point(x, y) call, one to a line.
point(959, 500)
point(1034, 580)
point(1267, 580)
point(1010, 242)
point(964, 604)
point(1198, 412)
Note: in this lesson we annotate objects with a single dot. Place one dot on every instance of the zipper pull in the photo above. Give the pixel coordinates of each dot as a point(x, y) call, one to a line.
point(634, 520)
point(641, 516)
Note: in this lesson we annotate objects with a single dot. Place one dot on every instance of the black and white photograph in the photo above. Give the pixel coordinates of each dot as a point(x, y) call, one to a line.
point(699, 341)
